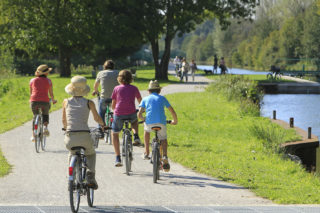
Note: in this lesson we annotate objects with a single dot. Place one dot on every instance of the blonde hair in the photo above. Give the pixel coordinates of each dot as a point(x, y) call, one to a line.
point(125, 77)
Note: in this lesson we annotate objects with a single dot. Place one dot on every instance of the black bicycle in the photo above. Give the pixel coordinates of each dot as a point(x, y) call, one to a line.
point(39, 137)
point(127, 147)
point(77, 179)
point(157, 154)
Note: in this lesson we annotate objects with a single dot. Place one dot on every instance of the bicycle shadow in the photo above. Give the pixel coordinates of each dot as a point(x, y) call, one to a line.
point(189, 181)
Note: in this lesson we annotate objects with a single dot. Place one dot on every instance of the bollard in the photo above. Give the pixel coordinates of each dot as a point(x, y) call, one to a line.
point(291, 122)
point(274, 115)
point(309, 132)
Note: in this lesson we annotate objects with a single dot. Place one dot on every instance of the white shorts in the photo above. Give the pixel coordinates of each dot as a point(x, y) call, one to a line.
point(162, 134)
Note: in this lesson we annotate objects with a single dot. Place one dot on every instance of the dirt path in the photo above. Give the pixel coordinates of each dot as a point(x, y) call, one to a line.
point(41, 179)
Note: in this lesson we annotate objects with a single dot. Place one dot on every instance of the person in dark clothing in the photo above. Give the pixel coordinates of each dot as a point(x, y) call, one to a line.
point(215, 64)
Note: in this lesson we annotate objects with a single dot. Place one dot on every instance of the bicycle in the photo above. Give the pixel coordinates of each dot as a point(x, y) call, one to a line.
point(157, 154)
point(108, 120)
point(127, 147)
point(39, 137)
point(77, 183)
point(273, 76)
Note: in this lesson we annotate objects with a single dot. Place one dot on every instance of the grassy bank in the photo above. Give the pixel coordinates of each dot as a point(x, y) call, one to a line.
point(216, 138)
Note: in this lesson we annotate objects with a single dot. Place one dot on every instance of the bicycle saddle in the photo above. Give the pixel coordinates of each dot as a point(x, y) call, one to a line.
point(156, 128)
point(78, 148)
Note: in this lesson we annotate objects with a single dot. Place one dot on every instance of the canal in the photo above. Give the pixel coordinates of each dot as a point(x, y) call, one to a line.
point(304, 108)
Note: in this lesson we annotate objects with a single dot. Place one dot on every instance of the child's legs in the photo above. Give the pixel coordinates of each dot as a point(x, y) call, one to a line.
point(146, 142)
point(164, 144)
point(115, 141)
point(117, 125)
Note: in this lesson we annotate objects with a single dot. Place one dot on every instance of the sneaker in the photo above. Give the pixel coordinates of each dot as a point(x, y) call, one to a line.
point(118, 162)
point(166, 165)
point(46, 132)
point(145, 156)
point(32, 139)
point(136, 141)
point(91, 180)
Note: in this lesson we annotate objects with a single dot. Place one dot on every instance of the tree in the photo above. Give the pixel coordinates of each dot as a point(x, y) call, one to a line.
point(66, 26)
point(169, 17)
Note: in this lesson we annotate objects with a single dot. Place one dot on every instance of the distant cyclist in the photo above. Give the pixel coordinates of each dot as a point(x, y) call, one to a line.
point(75, 114)
point(123, 104)
point(108, 80)
point(40, 88)
point(154, 106)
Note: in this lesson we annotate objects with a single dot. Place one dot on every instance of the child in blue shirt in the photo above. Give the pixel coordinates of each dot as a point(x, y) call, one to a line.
point(154, 105)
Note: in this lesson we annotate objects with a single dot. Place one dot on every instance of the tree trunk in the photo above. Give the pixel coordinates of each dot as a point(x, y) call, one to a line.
point(155, 55)
point(65, 61)
point(165, 59)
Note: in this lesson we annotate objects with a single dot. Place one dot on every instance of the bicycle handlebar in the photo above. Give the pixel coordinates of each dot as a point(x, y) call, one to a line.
point(167, 121)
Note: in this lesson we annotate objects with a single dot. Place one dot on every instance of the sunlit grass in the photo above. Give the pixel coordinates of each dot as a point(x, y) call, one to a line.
point(213, 138)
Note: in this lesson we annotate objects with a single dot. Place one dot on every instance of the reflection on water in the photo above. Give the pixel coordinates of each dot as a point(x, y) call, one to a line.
point(234, 70)
point(302, 107)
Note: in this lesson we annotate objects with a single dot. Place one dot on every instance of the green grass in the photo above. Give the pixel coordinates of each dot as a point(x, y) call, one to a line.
point(4, 166)
point(213, 138)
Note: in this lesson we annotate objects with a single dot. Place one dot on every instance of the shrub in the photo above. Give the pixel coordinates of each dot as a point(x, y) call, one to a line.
point(241, 89)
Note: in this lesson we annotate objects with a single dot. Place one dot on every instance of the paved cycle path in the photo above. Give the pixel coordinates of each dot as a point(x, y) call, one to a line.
point(41, 179)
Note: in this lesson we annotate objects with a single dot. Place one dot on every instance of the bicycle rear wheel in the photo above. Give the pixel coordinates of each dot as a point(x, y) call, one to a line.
point(127, 152)
point(43, 142)
point(90, 196)
point(74, 191)
point(37, 133)
point(156, 163)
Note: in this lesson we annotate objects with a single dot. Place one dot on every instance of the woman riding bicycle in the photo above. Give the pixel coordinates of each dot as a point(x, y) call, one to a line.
point(39, 98)
point(75, 114)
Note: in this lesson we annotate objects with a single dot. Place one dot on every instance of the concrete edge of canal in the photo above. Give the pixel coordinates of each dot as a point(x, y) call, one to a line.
point(307, 149)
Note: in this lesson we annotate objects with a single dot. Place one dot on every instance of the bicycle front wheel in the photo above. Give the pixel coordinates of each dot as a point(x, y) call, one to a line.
point(127, 152)
point(90, 196)
point(156, 163)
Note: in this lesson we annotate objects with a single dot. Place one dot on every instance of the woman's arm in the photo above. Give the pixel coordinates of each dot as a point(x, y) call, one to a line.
point(51, 95)
point(64, 115)
point(95, 114)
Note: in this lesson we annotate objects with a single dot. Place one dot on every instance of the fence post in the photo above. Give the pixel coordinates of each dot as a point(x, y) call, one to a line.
point(291, 122)
point(274, 115)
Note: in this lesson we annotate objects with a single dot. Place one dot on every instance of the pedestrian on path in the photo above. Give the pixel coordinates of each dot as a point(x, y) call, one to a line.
point(75, 114)
point(123, 104)
point(193, 67)
point(184, 69)
point(108, 80)
point(40, 87)
point(215, 65)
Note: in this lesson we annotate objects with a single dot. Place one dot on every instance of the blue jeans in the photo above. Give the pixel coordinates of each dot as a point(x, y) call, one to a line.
point(103, 102)
point(118, 121)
